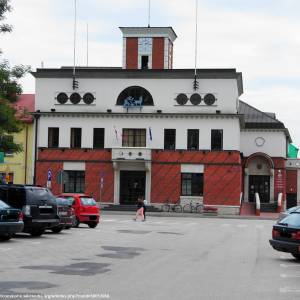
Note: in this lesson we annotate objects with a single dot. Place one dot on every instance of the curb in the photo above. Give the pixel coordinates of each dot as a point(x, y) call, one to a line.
point(189, 215)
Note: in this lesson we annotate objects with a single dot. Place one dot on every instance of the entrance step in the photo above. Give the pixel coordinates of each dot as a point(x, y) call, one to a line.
point(113, 207)
point(268, 207)
point(247, 209)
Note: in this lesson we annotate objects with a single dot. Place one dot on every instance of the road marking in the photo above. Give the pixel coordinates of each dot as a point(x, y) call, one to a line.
point(109, 220)
point(290, 265)
point(5, 249)
point(289, 276)
point(289, 290)
point(260, 226)
point(241, 225)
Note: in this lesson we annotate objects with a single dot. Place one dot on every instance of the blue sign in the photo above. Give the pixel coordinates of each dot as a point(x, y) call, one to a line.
point(49, 175)
point(131, 102)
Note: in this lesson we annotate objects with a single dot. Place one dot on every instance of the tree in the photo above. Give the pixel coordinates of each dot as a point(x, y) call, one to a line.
point(10, 88)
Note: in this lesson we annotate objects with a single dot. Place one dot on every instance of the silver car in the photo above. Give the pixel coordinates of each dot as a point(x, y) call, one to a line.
point(294, 209)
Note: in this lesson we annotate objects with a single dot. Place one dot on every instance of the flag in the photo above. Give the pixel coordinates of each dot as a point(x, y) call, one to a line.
point(116, 132)
point(150, 133)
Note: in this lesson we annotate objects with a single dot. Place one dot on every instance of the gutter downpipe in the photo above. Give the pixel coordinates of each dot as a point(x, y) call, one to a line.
point(26, 153)
point(35, 146)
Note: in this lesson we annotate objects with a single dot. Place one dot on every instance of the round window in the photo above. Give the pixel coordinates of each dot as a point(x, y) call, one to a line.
point(195, 99)
point(209, 99)
point(75, 98)
point(62, 98)
point(88, 98)
point(182, 99)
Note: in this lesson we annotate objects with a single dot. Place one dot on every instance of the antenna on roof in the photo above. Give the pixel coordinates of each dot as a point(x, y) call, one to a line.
point(75, 82)
point(149, 13)
point(196, 83)
point(87, 44)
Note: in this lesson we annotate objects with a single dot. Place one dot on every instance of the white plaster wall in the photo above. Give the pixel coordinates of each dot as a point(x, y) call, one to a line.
point(230, 126)
point(274, 146)
point(163, 92)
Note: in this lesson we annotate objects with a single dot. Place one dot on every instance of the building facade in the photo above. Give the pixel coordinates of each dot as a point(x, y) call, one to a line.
point(148, 129)
point(18, 167)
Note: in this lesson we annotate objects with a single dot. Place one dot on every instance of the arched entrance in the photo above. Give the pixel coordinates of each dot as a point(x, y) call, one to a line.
point(259, 178)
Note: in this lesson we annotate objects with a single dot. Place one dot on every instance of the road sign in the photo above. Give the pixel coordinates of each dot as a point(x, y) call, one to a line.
point(49, 175)
point(1, 157)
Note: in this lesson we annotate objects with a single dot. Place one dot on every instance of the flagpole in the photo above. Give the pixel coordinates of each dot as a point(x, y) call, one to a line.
point(75, 29)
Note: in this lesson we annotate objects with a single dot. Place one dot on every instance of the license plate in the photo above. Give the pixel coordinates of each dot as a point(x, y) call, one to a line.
point(45, 206)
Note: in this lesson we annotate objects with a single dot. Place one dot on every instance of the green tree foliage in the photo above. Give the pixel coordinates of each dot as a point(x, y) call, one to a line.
point(10, 88)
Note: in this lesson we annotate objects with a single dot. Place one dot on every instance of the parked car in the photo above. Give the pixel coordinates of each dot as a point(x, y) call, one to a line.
point(286, 235)
point(287, 212)
point(86, 209)
point(37, 204)
point(11, 221)
point(66, 215)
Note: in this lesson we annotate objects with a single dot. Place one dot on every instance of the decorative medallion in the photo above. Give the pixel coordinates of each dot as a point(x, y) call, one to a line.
point(260, 141)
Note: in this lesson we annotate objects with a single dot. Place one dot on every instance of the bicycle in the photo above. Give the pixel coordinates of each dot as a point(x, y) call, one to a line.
point(169, 207)
point(191, 207)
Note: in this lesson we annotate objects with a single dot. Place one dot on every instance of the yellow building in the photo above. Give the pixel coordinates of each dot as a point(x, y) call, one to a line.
point(18, 167)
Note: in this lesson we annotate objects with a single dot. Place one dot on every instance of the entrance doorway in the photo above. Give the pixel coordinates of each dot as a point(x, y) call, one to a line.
point(261, 185)
point(132, 185)
point(291, 200)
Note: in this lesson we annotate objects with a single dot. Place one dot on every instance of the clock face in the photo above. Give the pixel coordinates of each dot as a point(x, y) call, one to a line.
point(145, 45)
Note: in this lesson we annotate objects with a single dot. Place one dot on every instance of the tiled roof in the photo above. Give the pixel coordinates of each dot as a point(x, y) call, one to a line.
point(255, 118)
point(24, 105)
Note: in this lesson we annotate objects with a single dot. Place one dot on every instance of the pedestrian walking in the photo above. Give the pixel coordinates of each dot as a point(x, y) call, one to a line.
point(140, 209)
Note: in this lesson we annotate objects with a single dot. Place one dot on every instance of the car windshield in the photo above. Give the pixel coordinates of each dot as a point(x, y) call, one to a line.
point(64, 201)
point(292, 220)
point(3, 205)
point(87, 201)
point(36, 194)
point(69, 198)
point(292, 209)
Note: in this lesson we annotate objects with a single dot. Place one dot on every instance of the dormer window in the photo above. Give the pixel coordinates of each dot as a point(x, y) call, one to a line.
point(145, 62)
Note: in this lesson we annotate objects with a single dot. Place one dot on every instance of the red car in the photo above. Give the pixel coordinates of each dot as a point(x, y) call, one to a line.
point(86, 209)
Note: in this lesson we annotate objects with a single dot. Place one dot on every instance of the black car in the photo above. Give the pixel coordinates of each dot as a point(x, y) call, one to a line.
point(11, 221)
point(37, 204)
point(65, 213)
point(286, 235)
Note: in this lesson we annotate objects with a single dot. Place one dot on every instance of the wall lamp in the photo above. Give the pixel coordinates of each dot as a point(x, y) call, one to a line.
point(159, 111)
point(53, 109)
point(109, 111)
point(218, 111)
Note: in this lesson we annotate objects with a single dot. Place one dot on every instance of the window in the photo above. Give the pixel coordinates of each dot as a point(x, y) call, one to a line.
point(170, 139)
point(134, 138)
point(217, 139)
point(193, 139)
point(53, 137)
point(6, 178)
point(192, 184)
point(75, 137)
point(75, 182)
point(137, 93)
point(98, 138)
point(145, 61)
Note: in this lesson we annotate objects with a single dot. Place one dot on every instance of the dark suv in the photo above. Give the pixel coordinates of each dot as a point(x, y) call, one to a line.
point(37, 204)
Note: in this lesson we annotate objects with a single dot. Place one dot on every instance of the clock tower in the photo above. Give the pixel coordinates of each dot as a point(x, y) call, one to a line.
point(148, 47)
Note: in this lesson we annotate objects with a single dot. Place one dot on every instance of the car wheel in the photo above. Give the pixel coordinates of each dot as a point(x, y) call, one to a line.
point(37, 232)
point(297, 256)
point(93, 225)
point(5, 237)
point(57, 229)
point(76, 223)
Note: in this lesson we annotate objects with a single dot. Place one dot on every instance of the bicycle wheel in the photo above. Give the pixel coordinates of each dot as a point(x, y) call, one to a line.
point(166, 208)
point(187, 208)
point(199, 208)
point(178, 208)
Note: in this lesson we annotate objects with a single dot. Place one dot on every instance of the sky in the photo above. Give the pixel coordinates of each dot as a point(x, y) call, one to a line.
point(260, 38)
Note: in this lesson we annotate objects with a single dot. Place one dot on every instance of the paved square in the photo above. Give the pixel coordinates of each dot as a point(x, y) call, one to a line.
point(162, 258)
